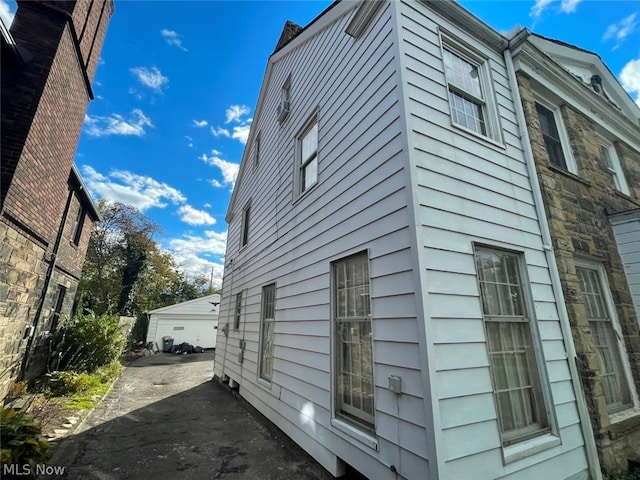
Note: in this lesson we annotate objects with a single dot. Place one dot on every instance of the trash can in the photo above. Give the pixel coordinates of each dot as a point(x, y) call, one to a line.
point(167, 344)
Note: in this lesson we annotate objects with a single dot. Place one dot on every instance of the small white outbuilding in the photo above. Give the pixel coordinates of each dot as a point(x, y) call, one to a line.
point(194, 321)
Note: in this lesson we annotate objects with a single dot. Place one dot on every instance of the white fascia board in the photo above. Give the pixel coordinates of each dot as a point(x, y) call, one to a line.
point(554, 78)
point(469, 22)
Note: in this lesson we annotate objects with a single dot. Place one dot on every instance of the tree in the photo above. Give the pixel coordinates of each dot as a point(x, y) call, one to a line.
point(125, 270)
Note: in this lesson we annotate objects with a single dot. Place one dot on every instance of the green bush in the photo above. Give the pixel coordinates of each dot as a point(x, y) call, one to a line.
point(87, 342)
point(69, 383)
point(20, 439)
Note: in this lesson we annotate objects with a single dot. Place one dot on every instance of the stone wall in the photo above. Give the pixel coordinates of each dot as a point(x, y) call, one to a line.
point(21, 282)
point(577, 208)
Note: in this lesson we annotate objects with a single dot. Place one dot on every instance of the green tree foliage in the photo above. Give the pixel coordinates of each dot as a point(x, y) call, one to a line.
point(125, 270)
point(88, 341)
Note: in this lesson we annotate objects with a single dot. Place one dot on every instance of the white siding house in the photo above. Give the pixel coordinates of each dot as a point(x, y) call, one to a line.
point(626, 228)
point(387, 288)
point(194, 321)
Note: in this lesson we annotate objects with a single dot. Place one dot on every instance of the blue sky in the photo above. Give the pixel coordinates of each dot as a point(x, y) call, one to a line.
point(178, 82)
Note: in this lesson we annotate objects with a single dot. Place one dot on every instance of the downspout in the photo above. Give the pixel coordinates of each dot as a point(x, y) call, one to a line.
point(47, 282)
point(583, 412)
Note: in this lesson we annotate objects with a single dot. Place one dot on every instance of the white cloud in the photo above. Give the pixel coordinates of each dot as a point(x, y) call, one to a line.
point(630, 79)
point(621, 30)
point(569, 6)
point(150, 78)
point(191, 254)
point(200, 123)
point(229, 169)
point(6, 14)
point(190, 215)
point(239, 132)
point(235, 113)
point(115, 124)
point(539, 7)
point(172, 38)
point(142, 192)
point(566, 6)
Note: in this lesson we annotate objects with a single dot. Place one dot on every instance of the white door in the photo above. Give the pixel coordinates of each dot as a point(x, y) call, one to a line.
point(199, 333)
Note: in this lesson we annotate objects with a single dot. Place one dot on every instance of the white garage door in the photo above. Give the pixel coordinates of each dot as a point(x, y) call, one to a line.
point(198, 333)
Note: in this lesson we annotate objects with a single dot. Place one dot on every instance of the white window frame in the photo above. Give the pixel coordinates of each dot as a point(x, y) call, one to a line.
point(311, 160)
point(486, 100)
point(613, 166)
point(284, 107)
point(267, 332)
point(615, 414)
point(537, 434)
point(351, 419)
point(567, 153)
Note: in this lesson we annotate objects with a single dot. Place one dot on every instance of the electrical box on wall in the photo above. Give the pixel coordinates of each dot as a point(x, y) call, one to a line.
point(395, 384)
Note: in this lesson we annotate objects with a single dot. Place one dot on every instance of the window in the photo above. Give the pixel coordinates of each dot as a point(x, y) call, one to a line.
point(466, 99)
point(614, 384)
point(238, 311)
point(556, 146)
point(267, 327)
point(244, 235)
point(612, 164)
point(285, 101)
point(78, 223)
point(353, 341)
point(58, 300)
point(307, 168)
point(516, 380)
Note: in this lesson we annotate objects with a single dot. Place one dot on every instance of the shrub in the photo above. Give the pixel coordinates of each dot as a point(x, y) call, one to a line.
point(86, 342)
point(20, 439)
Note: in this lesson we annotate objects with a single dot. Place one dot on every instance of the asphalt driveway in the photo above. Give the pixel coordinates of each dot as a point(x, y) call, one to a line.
point(166, 418)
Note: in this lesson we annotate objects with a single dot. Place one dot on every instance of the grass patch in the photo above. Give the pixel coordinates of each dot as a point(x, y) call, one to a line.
point(79, 390)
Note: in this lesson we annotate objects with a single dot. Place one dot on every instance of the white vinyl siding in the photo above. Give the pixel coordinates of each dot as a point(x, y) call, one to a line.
point(472, 191)
point(627, 234)
point(359, 202)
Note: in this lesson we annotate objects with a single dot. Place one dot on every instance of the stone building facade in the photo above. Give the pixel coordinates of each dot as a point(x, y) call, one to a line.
point(50, 55)
point(585, 148)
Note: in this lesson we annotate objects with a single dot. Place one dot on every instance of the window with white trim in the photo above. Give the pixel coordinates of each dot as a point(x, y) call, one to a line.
point(607, 341)
point(354, 389)
point(516, 380)
point(469, 89)
point(555, 141)
point(267, 327)
point(612, 164)
point(307, 157)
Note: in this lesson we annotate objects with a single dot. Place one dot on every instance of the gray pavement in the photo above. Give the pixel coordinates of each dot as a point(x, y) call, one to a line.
point(166, 418)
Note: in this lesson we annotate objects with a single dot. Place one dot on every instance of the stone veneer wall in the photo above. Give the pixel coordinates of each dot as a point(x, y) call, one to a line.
point(21, 282)
point(577, 208)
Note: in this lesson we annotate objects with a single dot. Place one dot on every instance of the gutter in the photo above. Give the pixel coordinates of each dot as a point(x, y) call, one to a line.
point(583, 412)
